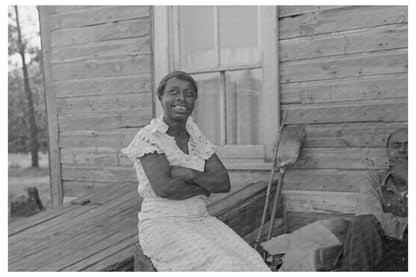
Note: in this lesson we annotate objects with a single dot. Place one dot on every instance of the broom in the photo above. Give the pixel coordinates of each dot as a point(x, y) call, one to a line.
point(285, 153)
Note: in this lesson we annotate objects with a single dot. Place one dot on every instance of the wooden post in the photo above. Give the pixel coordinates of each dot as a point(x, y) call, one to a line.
point(56, 188)
point(271, 84)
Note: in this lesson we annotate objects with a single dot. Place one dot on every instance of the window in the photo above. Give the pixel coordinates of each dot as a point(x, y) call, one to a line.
point(231, 51)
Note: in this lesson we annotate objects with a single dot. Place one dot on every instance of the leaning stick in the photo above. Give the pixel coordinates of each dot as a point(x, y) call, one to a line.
point(269, 185)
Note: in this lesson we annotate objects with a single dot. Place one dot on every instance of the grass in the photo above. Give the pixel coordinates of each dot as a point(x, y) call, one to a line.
point(22, 175)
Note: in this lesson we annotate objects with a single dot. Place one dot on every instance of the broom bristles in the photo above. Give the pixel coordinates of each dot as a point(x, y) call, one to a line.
point(291, 141)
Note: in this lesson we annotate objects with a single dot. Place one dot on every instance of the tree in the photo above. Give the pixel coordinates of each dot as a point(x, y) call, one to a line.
point(18, 118)
point(18, 127)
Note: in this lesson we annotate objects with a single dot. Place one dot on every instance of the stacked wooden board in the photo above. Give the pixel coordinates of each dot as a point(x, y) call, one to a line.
point(99, 91)
point(343, 74)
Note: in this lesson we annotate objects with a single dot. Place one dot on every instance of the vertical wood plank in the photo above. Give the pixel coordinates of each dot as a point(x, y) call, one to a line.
point(174, 38)
point(53, 135)
point(268, 36)
point(223, 111)
point(160, 34)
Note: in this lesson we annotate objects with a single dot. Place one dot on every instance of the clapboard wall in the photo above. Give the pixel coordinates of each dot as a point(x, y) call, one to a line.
point(343, 74)
point(98, 79)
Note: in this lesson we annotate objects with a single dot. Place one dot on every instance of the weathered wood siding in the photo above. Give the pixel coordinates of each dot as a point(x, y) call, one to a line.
point(100, 67)
point(343, 73)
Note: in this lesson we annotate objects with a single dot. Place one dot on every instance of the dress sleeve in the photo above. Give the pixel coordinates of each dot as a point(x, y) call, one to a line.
point(370, 202)
point(206, 149)
point(143, 143)
point(203, 147)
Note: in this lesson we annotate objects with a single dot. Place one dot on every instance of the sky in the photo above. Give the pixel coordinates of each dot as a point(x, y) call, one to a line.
point(29, 22)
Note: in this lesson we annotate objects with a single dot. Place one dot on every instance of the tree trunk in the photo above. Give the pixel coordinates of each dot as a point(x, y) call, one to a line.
point(31, 111)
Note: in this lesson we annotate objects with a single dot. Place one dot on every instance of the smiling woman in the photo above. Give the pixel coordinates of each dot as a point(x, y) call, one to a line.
point(178, 170)
point(181, 92)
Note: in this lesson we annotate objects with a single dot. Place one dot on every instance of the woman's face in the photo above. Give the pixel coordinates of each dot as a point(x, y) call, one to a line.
point(178, 99)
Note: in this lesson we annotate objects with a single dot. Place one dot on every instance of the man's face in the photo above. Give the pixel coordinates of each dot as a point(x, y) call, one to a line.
point(398, 155)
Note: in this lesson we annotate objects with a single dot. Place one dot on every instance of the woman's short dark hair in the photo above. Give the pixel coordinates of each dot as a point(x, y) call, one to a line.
point(181, 75)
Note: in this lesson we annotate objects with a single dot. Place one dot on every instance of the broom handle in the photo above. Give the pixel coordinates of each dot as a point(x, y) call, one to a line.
point(269, 185)
point(266, 204)
point(276, 200)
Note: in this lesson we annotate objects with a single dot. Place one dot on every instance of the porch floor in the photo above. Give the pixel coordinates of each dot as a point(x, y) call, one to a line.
point(92, 237)
point(101, 235)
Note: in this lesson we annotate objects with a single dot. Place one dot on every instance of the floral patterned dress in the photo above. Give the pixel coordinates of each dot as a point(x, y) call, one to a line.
point(180, 235)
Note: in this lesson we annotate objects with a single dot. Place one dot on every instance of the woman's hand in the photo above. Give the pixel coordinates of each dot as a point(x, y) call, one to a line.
point(158, 171)
point(182, 173)
point(214, 179)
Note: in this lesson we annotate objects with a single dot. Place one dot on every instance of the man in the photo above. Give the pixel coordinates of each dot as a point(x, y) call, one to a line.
point(377, 236)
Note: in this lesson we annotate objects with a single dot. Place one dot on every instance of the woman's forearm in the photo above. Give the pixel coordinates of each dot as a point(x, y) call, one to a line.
point(177, 189)
point(215, 182)
point(214, 178)
point(157, 170)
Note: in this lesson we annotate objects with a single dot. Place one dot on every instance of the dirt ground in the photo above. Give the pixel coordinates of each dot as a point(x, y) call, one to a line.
point(21, 176)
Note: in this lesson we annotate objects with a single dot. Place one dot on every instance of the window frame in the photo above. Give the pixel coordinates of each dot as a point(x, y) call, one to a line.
point(165, 50)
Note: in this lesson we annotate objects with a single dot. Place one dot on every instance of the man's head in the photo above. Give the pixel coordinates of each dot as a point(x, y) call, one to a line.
point(397, 153)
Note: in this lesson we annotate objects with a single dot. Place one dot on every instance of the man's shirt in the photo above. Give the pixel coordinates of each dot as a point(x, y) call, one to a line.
point(381, 198)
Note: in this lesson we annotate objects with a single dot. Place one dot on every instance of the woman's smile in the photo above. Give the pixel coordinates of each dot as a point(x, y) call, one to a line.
point(179, 108)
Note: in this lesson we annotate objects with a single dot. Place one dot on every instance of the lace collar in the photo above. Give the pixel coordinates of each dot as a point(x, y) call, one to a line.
point(153, 138)
point(159, 125)
point(199, 143)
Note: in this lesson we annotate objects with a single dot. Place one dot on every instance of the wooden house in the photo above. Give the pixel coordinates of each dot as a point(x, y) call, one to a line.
point(341, 71)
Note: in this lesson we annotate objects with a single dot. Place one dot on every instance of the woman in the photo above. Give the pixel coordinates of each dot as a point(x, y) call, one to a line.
point(177, 169)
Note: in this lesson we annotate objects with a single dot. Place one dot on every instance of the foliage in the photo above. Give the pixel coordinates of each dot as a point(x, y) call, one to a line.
point(18, 125)
point(12, 35)
point(19, 132)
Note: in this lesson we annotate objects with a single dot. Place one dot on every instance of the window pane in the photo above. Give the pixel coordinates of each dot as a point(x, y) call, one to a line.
point(197, 36)
point(243, 106)
point(238, 34)
point(207, 113)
